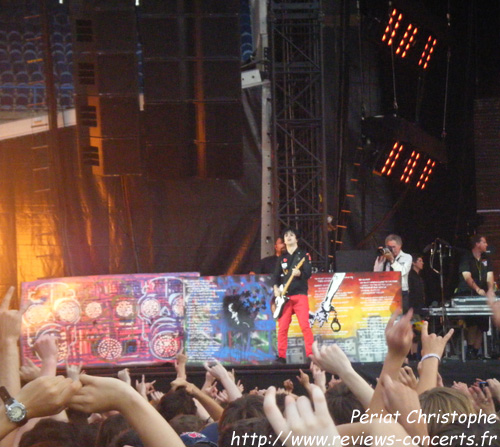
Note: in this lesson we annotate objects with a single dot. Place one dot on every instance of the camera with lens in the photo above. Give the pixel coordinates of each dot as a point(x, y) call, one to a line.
point(383, 251)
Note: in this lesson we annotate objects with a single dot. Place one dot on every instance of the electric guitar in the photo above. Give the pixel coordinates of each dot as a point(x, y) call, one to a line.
point(281, 300)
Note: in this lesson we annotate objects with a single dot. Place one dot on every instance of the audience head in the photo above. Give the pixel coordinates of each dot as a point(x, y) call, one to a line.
point(246, 407)
point(341, 404)
point(176, 402)
point(445, 401)
point(56, 433)
point(235, 431)
point(186, 423)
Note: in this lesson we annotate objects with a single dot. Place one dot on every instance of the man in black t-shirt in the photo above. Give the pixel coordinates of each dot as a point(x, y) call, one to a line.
point(298, 303)
point(268, 264)
point(476, 279)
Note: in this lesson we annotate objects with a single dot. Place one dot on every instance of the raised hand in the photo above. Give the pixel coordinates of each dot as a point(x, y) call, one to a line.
point(331, 358)
point(288, 385)
point(10, 319)
point(482, 400)
point(402, 399)
point(494, 386)
point(29, 371)
point(303, 379)
point(144, 388)
point(124, 376)
point(407, 377)
point(180, 365)
point(300, 419)
point(47, 395)
point(432, 343)
point(319, 376)
point(399, 334)
point(73, 371)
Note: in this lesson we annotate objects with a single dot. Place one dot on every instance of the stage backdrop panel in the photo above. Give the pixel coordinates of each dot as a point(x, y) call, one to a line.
point(145, 319)
point(107, 320)
point(363, 304)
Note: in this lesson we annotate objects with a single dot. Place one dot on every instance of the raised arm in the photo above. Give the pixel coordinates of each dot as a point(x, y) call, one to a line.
point(399, 336)
point(100, 394)
point(432, 352)
point(221, 374)
point(333, 360)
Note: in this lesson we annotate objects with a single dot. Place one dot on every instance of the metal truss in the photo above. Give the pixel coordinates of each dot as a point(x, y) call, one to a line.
point(296, 71)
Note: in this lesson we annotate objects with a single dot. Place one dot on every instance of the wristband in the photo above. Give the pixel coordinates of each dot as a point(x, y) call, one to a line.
point(426, 356)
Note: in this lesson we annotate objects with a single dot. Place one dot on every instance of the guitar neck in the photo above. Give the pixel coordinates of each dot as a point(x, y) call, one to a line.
point(287, 284)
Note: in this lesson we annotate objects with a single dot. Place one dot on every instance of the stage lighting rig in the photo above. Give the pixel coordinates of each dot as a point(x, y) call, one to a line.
point(405, 151)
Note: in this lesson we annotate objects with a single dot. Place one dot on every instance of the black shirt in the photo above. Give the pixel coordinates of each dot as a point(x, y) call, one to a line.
point(284, 267)
point(416, 291)
point(267, 265)
point(478, 270)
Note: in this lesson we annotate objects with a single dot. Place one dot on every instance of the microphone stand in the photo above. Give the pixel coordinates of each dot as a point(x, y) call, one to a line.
point(437, 247)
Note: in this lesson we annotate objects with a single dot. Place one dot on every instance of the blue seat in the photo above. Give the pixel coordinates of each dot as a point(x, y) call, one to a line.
point(58, 56)
point(66, 78)
point(22, 78)
point(29, 55)
point(18, 67)
point(57, 37)
point(5, 66)
point(21, 101)
point(57, 47)
point(15, 56)
point(7, 78)
point(60, 67)
point(28, 35)
point(29, 46)
point(4, 56)
point(66, 100)
point(6, 100)
point(15, 46)
point(69, 56)
point(14, 36)
point(36, 77)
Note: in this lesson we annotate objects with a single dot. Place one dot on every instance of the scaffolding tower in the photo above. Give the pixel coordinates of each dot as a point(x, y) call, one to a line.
point(298, 138)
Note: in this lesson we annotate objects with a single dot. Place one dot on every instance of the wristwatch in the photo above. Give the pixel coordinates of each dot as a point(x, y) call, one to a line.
point(16, 411)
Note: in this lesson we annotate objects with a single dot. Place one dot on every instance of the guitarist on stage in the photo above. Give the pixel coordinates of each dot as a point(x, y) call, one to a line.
point(297, 292)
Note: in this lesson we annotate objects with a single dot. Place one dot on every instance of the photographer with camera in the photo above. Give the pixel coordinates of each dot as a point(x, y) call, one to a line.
point(392, 258)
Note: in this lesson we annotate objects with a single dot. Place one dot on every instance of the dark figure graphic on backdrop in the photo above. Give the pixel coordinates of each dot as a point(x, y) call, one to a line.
point(297, 292)
point(241, 307)
point(476, 279)
point(392, 258)
point(268, 264)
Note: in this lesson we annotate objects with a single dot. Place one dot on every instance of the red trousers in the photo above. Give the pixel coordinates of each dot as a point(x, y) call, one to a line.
point(298, 305)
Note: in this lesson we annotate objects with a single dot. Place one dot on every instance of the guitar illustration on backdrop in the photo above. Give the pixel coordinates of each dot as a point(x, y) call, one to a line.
point(281, 300)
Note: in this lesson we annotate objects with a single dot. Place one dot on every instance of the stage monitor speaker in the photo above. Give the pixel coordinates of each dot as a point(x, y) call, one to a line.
point(190, 7)
point(109, 31)
point(113, 156)
point(355, 260)
point(109, 116)
point(169, 123)
point(170, 161)
point(107, 73)
point(167, 80)
point(173, 80)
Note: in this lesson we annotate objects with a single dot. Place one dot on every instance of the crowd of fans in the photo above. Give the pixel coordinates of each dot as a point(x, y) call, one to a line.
point(81, 410)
